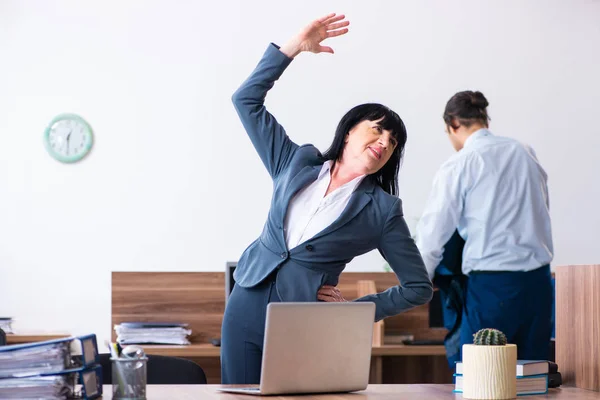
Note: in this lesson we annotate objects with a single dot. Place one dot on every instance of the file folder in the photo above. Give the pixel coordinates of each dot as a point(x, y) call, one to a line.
point(48, 357)
point(85, 383)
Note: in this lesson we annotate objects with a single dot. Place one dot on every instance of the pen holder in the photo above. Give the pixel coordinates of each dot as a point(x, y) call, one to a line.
point(129, 378)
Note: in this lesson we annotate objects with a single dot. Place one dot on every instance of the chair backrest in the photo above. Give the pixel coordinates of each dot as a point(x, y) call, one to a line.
point(162, 370)
point(2, 338)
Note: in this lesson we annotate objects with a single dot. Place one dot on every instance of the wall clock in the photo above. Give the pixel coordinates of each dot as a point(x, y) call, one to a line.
point(68, 138)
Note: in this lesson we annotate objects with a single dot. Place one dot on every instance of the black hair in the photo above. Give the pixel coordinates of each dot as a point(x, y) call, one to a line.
point(466, 108)
point(387, 176)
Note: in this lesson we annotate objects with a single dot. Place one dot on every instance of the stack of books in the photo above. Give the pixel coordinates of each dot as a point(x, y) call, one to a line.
point(53, 369)
point(5, 324)
point(532, 377)
point(152, 333)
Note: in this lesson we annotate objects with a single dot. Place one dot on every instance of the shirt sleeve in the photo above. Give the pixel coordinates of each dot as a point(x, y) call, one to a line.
point(442, 213)
point(532, 153)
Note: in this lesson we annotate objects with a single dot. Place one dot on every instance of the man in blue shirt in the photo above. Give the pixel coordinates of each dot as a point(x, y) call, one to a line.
point(494, 192)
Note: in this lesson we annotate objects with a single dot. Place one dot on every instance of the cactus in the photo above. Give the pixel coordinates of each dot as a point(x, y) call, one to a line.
point(489, 337)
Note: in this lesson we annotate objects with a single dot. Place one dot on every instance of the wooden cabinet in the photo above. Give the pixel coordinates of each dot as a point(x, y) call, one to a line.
point(578, 325)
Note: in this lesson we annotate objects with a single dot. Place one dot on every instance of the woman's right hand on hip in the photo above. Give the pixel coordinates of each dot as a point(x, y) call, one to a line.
point(310, 38)
point(330, 294)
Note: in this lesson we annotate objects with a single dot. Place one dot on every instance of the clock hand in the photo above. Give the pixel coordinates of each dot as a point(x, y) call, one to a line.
point(68, 137)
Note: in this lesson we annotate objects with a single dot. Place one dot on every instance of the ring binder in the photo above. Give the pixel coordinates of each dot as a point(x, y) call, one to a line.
point(47, 357)
point(91, 383)
point(52, 369)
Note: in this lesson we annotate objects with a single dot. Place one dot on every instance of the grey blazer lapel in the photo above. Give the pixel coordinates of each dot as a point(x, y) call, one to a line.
point(359, 199)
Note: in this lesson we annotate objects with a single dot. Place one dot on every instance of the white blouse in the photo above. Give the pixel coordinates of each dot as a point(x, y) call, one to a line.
point(310, 212)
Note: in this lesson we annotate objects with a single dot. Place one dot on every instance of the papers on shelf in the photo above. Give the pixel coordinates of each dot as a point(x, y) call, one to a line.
point(6, 325)
point(152, 332)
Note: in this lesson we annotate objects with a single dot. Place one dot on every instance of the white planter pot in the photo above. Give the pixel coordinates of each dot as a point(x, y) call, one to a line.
point(489, 372)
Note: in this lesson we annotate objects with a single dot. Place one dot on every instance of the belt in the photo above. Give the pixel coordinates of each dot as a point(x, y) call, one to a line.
point(480, 272)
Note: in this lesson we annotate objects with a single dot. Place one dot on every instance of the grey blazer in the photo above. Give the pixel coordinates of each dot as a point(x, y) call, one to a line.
point(372, 219)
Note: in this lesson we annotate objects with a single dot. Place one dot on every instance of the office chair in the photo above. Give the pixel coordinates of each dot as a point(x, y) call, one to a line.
point(162, 370)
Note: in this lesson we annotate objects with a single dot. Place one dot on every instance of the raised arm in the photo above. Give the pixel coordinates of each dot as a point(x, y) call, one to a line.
point(268, 137)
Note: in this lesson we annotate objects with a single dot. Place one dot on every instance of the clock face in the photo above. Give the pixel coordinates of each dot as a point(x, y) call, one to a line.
point(68, 138)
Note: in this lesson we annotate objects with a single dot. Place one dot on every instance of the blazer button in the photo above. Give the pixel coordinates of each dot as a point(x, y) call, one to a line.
point(284, 255)
point(309, 247)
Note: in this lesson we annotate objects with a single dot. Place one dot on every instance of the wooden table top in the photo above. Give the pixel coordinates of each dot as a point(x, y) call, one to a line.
point(17, 338)
point(208, 350)
point(373, 392)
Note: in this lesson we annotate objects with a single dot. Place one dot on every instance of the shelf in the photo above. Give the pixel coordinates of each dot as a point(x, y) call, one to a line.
point(208, 350)
point(12, 338)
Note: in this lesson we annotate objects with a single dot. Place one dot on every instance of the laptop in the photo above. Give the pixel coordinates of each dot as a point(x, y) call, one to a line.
point(315, 348)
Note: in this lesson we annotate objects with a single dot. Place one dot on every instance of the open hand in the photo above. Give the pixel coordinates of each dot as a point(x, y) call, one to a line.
point(310, 38)
point(330, 294)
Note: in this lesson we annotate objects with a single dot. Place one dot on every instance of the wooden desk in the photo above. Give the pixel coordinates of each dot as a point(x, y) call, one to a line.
point(12, 338)
point(402, 363)
point(373, 392)
point(208, 350)
point(198, 299)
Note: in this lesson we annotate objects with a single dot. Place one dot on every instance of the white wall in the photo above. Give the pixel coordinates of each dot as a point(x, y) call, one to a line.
point(173, 183)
